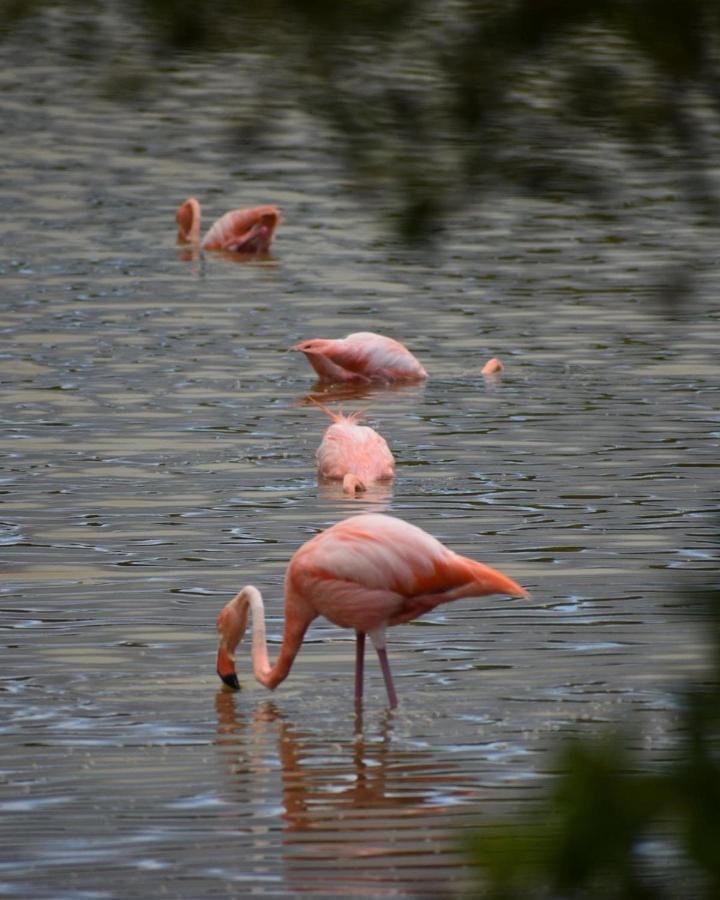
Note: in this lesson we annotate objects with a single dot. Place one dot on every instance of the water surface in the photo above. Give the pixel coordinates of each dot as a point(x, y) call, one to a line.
point(157, 454)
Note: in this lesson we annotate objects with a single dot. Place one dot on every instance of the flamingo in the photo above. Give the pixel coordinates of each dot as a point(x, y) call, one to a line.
point(492, 367)
point(239, 231)
point(354, 454)
point(363, 357)
point(367, 572)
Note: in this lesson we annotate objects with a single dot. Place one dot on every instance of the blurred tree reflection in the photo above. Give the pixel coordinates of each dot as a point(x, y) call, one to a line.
point(436, 104)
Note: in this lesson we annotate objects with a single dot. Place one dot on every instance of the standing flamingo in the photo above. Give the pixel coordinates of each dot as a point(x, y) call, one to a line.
point(239, 231)
point(367, 573)
point(354, 454)
point(362, 357)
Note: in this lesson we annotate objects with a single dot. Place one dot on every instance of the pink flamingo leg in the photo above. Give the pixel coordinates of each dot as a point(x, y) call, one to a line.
point(359, 665)
point(385, 666)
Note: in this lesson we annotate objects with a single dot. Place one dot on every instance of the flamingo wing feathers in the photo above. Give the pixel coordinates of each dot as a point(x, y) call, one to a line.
point(363, 357)
point(375, 356)
point(357, 449)
point(374, 570)
point(243, 230)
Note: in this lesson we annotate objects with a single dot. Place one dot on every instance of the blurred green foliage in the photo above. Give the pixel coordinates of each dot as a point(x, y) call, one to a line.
point(616, 826)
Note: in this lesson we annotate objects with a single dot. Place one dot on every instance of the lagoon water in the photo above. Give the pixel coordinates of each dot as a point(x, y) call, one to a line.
point(158, 453)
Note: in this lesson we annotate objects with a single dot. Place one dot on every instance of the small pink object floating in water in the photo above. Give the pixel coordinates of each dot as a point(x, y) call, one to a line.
point(354, 454)
point(492, 367)
point(363, 357)
point(238, 231)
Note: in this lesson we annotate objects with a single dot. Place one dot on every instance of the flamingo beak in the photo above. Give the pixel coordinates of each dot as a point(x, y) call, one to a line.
point(231, 681)
point(226, 668)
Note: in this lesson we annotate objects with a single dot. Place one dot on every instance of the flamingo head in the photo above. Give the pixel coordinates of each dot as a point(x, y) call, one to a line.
point(314, 345)
point(226, 668)
point(231, 625)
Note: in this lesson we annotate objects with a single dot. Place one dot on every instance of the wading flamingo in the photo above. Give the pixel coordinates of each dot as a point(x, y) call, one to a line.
point(239, 231)
point(362, 357)
point(354, 454)
point(366, 573)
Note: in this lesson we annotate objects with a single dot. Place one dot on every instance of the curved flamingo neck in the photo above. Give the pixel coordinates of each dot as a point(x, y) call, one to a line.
point(267, 674)
point(260, 659)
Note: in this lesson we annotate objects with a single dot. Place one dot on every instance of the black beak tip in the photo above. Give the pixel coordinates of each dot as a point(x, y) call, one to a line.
point(231, 681)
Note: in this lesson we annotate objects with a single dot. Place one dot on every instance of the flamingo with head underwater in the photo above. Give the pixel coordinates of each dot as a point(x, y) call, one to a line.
point(238, 231)
point(352, 453)
point(363, 357)
point(367, 573)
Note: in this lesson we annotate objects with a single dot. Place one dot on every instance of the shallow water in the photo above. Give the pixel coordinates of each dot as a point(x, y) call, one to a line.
point(157, 453)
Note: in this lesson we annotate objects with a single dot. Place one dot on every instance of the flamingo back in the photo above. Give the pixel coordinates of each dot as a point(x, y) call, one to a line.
point(374, 570)
point(243, 230)
point(362, 357)
point(378, 357)
point(348, 448)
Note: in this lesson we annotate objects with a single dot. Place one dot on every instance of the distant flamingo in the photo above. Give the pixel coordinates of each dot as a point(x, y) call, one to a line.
point(492, 367)
point(362, 357)
point(354, 454)
point(238, 231)
point(367, 573)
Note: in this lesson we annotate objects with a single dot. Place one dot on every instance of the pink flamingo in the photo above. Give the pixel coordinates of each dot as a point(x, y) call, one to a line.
point(354, 454)
point(366, 573)
point(492, 367)
point(239, 231)
point(362, 357)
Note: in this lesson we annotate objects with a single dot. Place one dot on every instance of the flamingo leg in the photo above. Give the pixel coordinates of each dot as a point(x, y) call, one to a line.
point(359, 665)
point(387, 675)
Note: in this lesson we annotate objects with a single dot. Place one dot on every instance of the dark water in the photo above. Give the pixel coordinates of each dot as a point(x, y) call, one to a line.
point(156, 456)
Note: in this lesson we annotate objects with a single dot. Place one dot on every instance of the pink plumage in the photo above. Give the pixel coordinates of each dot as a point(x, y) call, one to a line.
point(366, 573)
point(363, 357)
point(492, 367)
point(373, 570)
point(353, 453)
point(238, 231)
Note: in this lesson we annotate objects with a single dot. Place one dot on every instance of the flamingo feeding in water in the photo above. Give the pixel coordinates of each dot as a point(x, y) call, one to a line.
point(366, 573)
point(238, 231)
point(363, 357)
point(352, 453)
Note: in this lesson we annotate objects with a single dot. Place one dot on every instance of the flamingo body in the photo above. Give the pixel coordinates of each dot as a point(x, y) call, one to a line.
point(352, 453)
point(368, 572)
point(363, 357)
point(238, 231)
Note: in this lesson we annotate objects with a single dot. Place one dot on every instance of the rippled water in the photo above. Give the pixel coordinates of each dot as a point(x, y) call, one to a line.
point(157, 455)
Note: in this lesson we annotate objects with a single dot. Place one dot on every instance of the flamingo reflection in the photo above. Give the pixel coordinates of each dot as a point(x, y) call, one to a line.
point(344, 799)
point(325, 392)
